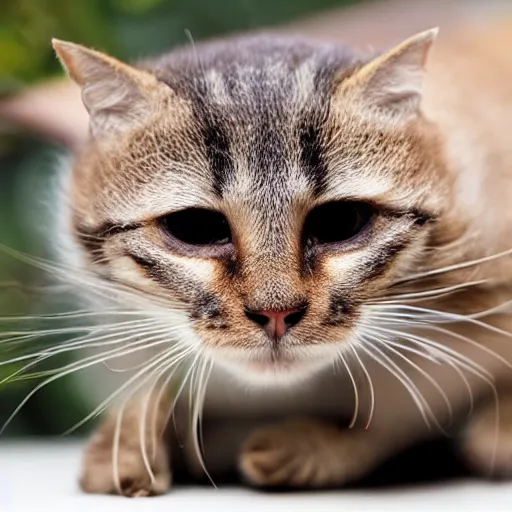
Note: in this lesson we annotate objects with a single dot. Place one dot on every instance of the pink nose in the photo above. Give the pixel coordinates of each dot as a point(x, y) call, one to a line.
point(276, 323)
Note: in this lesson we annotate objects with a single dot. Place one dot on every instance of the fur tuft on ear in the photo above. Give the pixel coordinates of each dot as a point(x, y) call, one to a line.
point(116, 95)
point(393, 82)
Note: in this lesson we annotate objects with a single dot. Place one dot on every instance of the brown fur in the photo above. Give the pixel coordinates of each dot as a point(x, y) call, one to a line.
point(133, 477)
point(434, 161)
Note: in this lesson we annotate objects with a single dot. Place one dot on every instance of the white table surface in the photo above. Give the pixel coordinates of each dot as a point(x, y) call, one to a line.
point(37, 477)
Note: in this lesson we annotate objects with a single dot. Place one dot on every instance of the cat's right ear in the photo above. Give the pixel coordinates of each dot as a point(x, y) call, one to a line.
point(116, 95)
point(392, 83)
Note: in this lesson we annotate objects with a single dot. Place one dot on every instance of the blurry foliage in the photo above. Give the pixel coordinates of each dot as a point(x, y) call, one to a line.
point(128, 29)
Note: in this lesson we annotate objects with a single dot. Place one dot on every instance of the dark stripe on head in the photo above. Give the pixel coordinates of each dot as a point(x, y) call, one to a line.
point(217, 146)
point(312, 157)
point(268, 157)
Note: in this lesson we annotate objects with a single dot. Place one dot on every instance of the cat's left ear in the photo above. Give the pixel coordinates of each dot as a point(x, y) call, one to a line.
point(116, 95)
point(392, 83)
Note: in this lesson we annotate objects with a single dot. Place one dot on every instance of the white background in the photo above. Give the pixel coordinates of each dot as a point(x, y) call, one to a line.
point(40, 477)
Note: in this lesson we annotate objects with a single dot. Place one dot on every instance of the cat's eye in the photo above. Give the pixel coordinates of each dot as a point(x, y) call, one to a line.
point(197, 227)
point(337, 221)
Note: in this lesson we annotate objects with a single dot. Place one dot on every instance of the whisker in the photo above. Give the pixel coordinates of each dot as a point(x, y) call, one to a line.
point(399, 374)
point(450, 357)
point(421, 341)
point(90, 361)
point(79, 313)
point(466, 339)
point(430, 355)
point(202, 382)
point(143, 418)
point(421, 371)
point(372, 390)
point(162, 356)
point(356, 392)
point(491, 311)
point(142, 426)
point(452, 317)
point(454, 359)
point(429, 294)
point(91, 281)
point(92, 342)
point(450, 268)
point(472, 342)
point(39, 357)
point(15, 336)
point(117, 431)
point(158, 400)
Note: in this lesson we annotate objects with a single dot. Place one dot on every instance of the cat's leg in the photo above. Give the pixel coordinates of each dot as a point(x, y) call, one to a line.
point(312, 453)
point(486, 443)
point(115, 461)
point(318, 453)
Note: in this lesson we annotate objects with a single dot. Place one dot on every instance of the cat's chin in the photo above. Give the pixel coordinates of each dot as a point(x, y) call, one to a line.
point(271, 371)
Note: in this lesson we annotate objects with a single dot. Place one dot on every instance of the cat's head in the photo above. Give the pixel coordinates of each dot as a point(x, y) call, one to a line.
point(268, 188)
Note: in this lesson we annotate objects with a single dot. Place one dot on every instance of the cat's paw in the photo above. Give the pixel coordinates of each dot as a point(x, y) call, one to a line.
point(299, 453)
point(486, 448)
point(131, 477)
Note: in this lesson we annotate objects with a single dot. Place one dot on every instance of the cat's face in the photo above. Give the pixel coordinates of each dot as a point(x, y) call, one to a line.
point(269, 198)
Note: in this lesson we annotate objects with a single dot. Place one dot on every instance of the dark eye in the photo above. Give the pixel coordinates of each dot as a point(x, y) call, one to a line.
point(339, 221)
point(197, 226)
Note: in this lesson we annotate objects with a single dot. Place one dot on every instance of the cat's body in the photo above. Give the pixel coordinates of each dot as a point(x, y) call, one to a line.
point(266, 132)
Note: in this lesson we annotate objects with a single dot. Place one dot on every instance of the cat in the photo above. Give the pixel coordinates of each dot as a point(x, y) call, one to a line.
point(318, 239)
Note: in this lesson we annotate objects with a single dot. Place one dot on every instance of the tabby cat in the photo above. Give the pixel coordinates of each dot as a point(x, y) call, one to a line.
point(317, 242)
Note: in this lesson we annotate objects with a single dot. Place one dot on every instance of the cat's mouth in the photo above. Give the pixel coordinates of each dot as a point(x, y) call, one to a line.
point(276, 366)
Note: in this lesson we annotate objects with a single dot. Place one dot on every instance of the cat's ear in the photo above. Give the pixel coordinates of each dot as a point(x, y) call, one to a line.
point(116, 95)
point(393, 82)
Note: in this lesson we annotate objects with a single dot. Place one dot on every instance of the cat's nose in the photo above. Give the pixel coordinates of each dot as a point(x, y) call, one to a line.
point(276, 323)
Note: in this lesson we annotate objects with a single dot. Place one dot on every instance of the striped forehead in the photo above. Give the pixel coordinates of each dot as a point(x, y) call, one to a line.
point(271, 81)
point(259, 126)
point(260, 106)
point(262, 128)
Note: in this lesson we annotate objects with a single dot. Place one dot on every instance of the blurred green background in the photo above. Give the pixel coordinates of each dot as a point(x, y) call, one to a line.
point(127, 29)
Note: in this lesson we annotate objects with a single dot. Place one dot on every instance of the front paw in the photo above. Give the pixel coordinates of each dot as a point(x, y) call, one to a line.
point(128, 474)
point(299, 453)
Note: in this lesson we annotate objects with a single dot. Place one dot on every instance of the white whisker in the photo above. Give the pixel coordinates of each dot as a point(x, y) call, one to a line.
point(427, 294)
point(144, 412)
point(405, 380)
point(371, 388)
point(450, 268)
point(164, 356)
point(419, 370)
point(202, 381)
point(356, 392)
point(74, 367)
point(422, 342)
